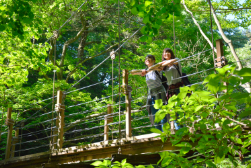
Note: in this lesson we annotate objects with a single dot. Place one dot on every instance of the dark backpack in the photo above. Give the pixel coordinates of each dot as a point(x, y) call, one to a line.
point(184, 78)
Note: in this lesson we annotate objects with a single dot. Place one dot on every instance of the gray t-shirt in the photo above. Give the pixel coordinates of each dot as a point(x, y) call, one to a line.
point(172, 74)
point(152, 80)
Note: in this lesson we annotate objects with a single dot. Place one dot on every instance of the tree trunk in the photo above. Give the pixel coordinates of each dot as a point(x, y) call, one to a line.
point(224, 37)
point(196, 23)
point(246, 85)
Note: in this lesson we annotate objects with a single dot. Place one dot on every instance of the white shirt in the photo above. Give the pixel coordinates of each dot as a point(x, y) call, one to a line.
point(172, 74)
point(152, 80)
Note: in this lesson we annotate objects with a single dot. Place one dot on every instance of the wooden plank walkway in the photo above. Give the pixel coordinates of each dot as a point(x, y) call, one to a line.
point(77, 155)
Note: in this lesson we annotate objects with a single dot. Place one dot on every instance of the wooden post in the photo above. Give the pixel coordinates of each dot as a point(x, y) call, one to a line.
point(14, 141)
point(59, 107)
point(55, 132)
point(108, 119)
point(127, 91)
point(9, 122)
point(220, 60)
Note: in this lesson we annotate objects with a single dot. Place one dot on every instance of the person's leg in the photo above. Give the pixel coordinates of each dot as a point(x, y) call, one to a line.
point(176, 124)
point(154, 111)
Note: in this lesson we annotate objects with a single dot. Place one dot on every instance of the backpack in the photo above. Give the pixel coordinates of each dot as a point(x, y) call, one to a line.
point(184, 78)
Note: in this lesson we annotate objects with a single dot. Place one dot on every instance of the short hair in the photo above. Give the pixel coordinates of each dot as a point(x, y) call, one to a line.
point(150, 56)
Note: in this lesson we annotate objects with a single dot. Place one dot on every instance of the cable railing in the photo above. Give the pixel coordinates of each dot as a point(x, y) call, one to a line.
point(95, 124)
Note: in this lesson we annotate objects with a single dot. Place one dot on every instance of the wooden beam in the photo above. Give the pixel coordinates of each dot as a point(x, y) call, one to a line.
point(220, 60)
point(60, 108)
point(108, 119)
point(14, 141)
point(9, 122)
point(127, 91)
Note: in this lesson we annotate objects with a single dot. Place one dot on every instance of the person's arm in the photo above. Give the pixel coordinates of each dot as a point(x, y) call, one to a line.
point(169, 62)
point(157, 67)
point(141, 72)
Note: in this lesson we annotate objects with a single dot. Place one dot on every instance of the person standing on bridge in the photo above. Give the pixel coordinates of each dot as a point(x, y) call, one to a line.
point(155, 89)
point(170, 66)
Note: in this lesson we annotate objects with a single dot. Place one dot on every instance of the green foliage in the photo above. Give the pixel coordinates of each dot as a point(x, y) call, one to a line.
point(116, 164)
point(202, 112)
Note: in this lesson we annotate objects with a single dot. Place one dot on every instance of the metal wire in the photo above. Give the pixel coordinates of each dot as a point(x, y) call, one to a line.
point(35, 140)
point(91, 101)
point(35, 113)
point(67, 20)
point(36, 132)
point(104, 59)
point(27, 126)
point(97, 135)
point(92, 110)
point(92, 85)
point(33, 148)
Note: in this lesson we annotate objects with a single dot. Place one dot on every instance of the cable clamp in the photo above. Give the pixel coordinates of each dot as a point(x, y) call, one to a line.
point(112, 55)
point(9, 122)
point(59, 107)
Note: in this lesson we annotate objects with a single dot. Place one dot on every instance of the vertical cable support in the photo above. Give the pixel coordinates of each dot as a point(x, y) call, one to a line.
point(119, 150)
point(53, 92)
point(174, 42)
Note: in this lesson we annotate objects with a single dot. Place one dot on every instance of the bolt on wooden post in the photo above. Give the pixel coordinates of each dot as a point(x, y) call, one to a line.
point(108, 119)
point(59, 107)
point(127, 91)
point(9, 122)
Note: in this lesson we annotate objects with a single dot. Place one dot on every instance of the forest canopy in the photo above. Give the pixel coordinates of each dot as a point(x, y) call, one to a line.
point(50, 45)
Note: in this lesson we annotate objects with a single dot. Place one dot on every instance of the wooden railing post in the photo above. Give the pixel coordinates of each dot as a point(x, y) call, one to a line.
point(127, 91)
point(9, 122)
point(220, 60)
point(59, 107)
point(108, 119)
point(14, 141)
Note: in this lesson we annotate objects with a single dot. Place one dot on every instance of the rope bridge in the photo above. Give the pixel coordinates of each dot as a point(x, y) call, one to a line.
point(85, 127)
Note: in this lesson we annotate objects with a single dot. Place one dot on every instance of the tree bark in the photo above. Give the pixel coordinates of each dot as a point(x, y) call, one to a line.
point(196, 23)
point(224, 37)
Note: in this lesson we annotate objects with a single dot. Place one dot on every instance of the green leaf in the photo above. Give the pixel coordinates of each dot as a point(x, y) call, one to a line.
point(143, 30)
point(147, 3)
point(247, 142)
point(217, 159)
point(166, 161)
point(185, 150)
point(132, 2)
point(149, 166)
point(143, 38)
point(123, 162)
point(158, 104)
point(166, 127)
point(204, 114)
point(134, 10)
point(155, 130)
point(210, 164)
point(244, 72)
point(146, 19)
point(184, 144)
point(198, 108)
point(97, 163)
point(140, 166)
point(247, 112)
point(149, 39)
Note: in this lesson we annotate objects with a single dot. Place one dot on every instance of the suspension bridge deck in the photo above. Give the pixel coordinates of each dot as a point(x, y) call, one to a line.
point(79, 155)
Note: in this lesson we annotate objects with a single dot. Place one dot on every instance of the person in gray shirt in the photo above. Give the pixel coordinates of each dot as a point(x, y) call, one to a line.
point(155, 89)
